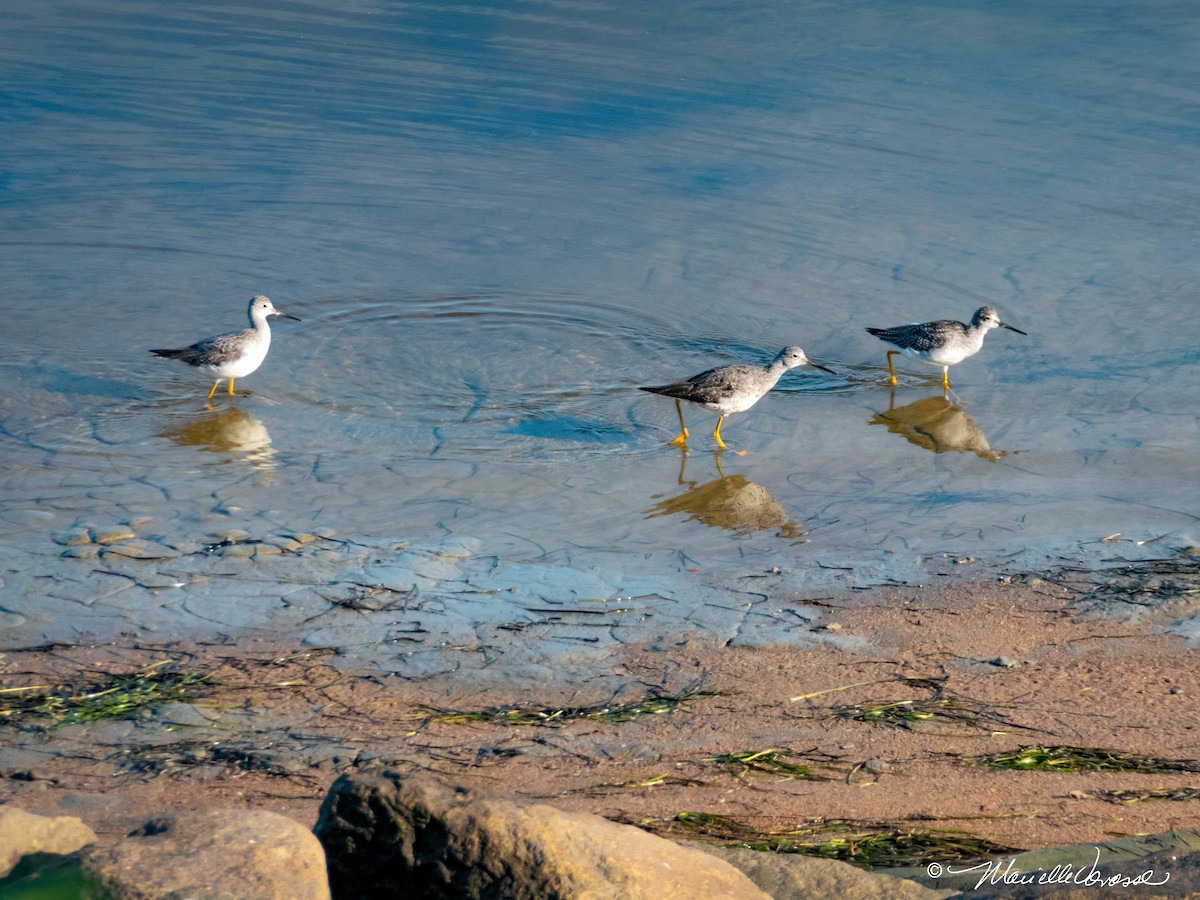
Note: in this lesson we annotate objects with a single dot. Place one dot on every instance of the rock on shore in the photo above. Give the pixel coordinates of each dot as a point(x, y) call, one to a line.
point(384, 834)
point(389, 835)
point(23, 833)
point(224, 853)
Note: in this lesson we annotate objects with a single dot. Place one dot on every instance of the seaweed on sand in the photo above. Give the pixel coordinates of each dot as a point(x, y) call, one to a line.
point(1136, 796)
point(869, 844)
point(1081, 759)
point(109, 696)
point(940, 707)
point(609, 713)
point(771, 761)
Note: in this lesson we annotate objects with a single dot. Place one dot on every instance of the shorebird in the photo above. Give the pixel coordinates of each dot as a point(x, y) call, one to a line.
point(730, 389)
point(233, 355)
point(942, 343)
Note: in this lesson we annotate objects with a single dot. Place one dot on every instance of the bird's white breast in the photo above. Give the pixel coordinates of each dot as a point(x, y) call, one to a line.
point(247, 362)
point(950, 353)
point(737, 402)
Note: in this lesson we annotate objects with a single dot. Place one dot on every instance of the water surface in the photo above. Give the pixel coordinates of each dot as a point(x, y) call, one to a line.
point(496, 221)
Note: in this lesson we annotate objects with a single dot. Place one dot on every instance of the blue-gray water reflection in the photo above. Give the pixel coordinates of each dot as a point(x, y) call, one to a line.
point(938, 424)
point(496, 221)
point(728, 501)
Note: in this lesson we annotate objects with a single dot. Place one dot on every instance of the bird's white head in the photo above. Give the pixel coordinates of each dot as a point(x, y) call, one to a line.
point(793, 356)
point(987, 318)
point(261, 307)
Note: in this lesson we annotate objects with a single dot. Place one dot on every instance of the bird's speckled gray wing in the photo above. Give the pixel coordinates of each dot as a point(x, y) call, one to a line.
point(710, 385)
point(213, 351)
point(923, 337)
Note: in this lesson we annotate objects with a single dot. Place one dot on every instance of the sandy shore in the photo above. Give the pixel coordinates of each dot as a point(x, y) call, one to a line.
point(997, 666)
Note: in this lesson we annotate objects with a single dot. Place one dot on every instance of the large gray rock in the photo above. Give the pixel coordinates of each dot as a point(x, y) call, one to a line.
point(790, 876)
point(23, 833)
point(390, 835)
point(224, 854)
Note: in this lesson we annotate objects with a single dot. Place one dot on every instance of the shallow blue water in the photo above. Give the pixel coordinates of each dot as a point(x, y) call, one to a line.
point(497, 220)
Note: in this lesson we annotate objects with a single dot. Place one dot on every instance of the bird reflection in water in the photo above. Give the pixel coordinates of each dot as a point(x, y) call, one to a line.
point(730, 502)
point(229, 430)
point(937, 424)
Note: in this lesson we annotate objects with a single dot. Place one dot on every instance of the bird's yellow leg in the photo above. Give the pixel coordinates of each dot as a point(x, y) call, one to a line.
point(945, 378)
point(717, 433)
point(891, 371)
point(214, 388)
point(683, 432)
point(231, 387)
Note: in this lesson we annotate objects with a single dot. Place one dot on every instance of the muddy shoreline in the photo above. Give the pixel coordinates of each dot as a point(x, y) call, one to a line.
point(985, 667)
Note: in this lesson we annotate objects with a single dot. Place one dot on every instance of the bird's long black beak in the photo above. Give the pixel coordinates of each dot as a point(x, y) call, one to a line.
point(821, 367)
point(1010, 328)
point(298, 319)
